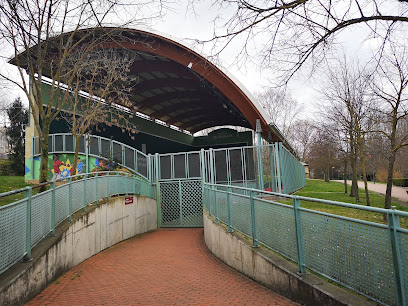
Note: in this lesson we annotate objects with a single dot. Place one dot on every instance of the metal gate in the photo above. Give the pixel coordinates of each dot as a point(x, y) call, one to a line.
point(181, 203)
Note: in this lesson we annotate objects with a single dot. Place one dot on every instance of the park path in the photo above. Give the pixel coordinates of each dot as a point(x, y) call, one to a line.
point(397, 192)
point(166, 266)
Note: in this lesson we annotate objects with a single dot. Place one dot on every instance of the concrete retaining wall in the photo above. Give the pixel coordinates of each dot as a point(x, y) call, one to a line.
point(89, 233)
point(273, 271)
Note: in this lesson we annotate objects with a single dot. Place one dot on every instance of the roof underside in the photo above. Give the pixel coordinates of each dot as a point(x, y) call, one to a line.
point(177, 85)
point(173, 93)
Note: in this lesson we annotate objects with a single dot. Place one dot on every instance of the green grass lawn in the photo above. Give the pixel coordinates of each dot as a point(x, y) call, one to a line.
point(9, 183)
point(335, 192)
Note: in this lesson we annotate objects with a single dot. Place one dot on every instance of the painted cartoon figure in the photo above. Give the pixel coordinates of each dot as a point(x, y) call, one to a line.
point(56, 167)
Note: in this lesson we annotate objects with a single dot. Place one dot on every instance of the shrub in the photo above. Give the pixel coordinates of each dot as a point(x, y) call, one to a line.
point(403, 182)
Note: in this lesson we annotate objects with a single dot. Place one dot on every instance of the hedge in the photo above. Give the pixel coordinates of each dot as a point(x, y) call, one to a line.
point(403, 182)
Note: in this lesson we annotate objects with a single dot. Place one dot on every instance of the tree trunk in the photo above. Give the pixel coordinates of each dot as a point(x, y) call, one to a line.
point(354, 184)
point(44, 158)
point(363, 167)
point(389, 180)
point(345, 176)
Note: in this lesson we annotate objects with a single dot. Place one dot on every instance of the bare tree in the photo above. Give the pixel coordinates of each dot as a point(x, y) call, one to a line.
point(287, 34)
point(105, 76)
point(347, 104)
point(281, 108)
point(390, 88)
point(34, 27)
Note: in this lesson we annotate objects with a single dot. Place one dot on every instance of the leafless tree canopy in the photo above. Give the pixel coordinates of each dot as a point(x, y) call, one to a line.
point(287, 34)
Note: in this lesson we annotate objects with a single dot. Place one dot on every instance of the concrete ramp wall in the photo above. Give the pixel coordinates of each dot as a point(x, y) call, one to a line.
point(273, 271)
point(89, 233)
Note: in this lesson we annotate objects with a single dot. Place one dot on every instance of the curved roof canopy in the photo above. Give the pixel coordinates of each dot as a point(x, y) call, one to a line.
point(179, 86)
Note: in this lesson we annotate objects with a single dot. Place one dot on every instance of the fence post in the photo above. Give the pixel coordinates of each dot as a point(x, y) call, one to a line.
point(259, 145)
point(28, 194)
point(229, 209)
point(70, 199)
point(149, 168)
point(393, 226)
point(202, 168)
point(158, 199)
point(53, 208)
point(181, 203)
point(299, 235)
point(85, 179)
point(253, 220)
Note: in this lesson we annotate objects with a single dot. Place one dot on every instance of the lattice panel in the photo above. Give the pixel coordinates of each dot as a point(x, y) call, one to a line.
point(192, 203)
point(12, 234)
point(40, 216)
point(276, 228)
point(181, 204)
point(354, 254)
point(170, 203)
point(180, 166)
point(241, 214)
point(61, 203)
point(194, 165)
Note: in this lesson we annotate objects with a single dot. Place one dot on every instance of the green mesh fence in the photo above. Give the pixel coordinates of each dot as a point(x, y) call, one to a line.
point(369, 258)
point(51, 207)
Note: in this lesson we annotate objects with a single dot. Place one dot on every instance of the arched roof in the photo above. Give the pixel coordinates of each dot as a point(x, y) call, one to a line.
point(181, 87)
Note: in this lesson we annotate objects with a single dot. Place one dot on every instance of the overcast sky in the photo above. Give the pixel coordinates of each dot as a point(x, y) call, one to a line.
point(185, 23)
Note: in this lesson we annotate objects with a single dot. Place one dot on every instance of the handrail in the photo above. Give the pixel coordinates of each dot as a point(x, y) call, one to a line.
point(32, 218)
point(316, 200)
point(367, 257)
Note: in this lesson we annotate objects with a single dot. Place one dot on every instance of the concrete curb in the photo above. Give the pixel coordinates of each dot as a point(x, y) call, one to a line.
point(273, 271)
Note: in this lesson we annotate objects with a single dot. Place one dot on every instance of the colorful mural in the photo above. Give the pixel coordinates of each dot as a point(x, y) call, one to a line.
point(32, 167)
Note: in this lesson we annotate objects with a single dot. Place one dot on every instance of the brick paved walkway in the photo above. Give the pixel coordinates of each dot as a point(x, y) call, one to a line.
point(167, 266)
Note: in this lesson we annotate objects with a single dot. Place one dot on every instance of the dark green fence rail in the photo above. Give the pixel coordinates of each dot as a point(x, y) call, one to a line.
point(366, 257)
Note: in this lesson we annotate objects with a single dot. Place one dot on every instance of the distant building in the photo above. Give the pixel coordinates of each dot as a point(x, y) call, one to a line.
point(306, 166)
point(4, 147)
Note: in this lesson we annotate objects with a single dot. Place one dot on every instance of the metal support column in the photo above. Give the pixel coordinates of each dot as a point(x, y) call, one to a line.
point(259, 147)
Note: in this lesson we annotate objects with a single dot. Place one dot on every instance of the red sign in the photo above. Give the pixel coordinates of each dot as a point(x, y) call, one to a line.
point(128, 200)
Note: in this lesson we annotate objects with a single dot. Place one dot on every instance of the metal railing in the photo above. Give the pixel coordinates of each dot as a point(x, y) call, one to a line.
point(96, 146)
point(366, 257)
point(24, 223)
point(270, 167)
